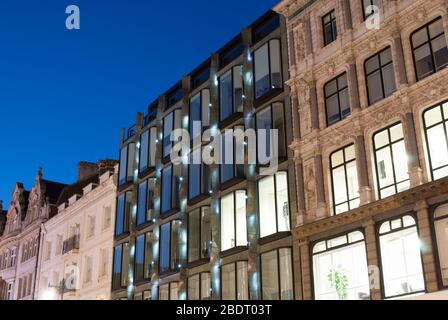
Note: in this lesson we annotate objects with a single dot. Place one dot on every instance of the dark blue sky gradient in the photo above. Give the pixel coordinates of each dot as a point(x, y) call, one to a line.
point(64, 95)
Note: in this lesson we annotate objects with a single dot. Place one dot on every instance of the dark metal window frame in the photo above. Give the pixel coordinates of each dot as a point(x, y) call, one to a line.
point(381, 70)
point(337, 93)
point(332, 168)
point(203, 128)
point(173, 123)
point(433, 219)
point(200, 285)
point(334, 28)
point(113, 284)
point(149, 165)
point(235, 263)
point(170, 256)
point(169, 284)
point(275, 196)
point(126, 217)
point(444, 123)
point(125, 180)
point(236, 176)
point(200, 235)
point(233, 193)
point(204, 171)
point(232, 76)
point(389, 146)
point(279, 271)
point(173, 202)
point(144, 278)
point(429, 43)
point(364, 7)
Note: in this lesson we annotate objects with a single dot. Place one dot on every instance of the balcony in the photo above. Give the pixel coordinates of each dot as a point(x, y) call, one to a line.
point(70, 244)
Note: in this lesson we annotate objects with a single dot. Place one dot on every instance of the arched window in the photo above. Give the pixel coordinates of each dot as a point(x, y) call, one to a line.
point(400, 257)
point(441, 229)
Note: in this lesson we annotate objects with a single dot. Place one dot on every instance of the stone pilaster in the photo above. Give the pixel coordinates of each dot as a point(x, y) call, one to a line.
point(314, 107)
point(372, 260)
point(365, 191)
point(415, 170)
point(305, 259)
point(353, 87)
point(320, 188)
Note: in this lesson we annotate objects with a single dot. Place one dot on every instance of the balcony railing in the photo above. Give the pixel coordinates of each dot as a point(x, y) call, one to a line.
point(70, 244)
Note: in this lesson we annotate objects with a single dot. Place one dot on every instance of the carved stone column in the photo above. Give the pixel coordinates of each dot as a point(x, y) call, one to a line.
point(372, 260)
point(305, 263)
point(320, 188)
point(415, 170)
point(365, 191)
point(300, 193)
point(353, 87)
point(398, 57)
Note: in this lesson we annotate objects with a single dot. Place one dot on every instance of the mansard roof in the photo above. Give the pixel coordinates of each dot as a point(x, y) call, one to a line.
point(53, 190)
point(76, 188)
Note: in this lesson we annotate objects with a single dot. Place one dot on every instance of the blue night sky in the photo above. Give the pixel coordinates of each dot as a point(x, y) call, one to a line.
point(64, 95)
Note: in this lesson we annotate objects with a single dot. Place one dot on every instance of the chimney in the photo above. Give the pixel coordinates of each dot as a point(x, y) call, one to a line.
point(106, 165)
point(86, 170)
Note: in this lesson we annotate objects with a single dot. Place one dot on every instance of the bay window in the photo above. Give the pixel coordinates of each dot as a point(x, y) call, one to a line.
point(231, 151)
point(199, 287)
point(391, 161)
point(429, 49)
point(233, 220)
point(170, 190)
point(171, 122)
point(145, 201)
point(337, 102)
point(268, 68)
point(231, 93)
point(271, 118)
point(401, 257)
point(273, 204)
point(344, 179)
point(147, 149)
point(123, 213)
point(380, 76)
point(435, 121)
point(199, 112)
point(169, 246)
point(199, 234)
point(329, 27)
point(340, 268)
point(143, 257)
point(121, 266)
point(441, 230)
point(277, 275)
point(198, 176)
point(126, 171)
point(169, 291)
point(234, 281)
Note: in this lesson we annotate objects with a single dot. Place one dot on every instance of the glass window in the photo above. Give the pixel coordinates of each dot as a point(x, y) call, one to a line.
point(436, 129)
point(199, 117)
point(380, 76)
point(391, 161)
point(123, 213)
point(121, 265)
point(344, 178)
point(169, 246)
point(231, 92)
point(273, 203)
point(429, 49)
point(169, 291)
point(337, 103)
point(126, 171)
point(199, 287)
point(232, 156)
point(170, 190)
point(199, 234)
point(268, 68)
point(198, 176)
point(340, 268)
point(329, 27)
point(367, 8)
point(277, 275)
point(233, 220)
point(139, 258)
point(171, 122)
point(147, 149)
point(234, 281)
point(401, 258)
point(441, 229)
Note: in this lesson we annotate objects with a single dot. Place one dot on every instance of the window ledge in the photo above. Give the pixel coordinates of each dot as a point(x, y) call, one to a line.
point(198, 199)
point(231, 183)
point(198, 263)
point(229, 120)
point(232, 251)
point(274, 237)
point(125, 186)
point(122, 236)
point(168, 273)
point(146, 172)
point(169, 213)
point(267, 96)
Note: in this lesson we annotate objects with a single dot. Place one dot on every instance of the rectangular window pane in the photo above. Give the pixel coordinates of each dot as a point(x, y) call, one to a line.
point(195, 117)
point(165, 239)
point(242, 281)
point(119, 225)
point(228, 278)
point(281, 179)
point(389, 80)
point(228, 240)
point(193, 235)
point(423, 61)
point(286, 275)
point(117, 267)
point(131, 157)
point(238, 89)
point(175, 238)
point(275, 64)
point(193, 288)
point(167, 178)
point(440, 51)
point(438, 148)
point(270, 276)
point(123, 165)
point(144, 151)
point(226, 97)
point(241, 230)
point(206, 236)
point(206, 286)
point(441, 228)
point(262, 78)
point(125, 265)
point(167, 129)
point(142, 203)
point(266, 198)
point(139, 258)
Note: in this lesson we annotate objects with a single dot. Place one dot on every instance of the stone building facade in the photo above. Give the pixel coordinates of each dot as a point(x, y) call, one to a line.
point(370, 146)
point(75, 262)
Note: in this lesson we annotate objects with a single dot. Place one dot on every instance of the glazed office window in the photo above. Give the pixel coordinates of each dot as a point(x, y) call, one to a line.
point(121, 265)
point(145, 208)
point(273, 204)
point(199, 118)
point(340, 269)
point(401, 257)
point(435, 121)
point(139, 258)
point(123, 213)
point(441, 230)
point(329, 27)
point(198, 176)
point(231, 93)
point(337, 103)
point(429, 49)
point(147, 149)
point(170, 190)
point(234, 281)
point(272, 117)
point(277, 275)
point(169, 291)
point(344, 180)
point(126, 172)
point(233, 220)
point(391, 161)
point(169, 246)
point(367, 8)
point(199, 234)
point(199, 287)
point(171, 122)
point(380, 76)
point(268, 68)
point(232, 156)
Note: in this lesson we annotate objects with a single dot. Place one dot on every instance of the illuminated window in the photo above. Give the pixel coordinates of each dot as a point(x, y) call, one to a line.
point(199, 287)
point(401, 257)
point(233, 220)
point(441, 228)
point(268, 68)
point(145, 208)
point(234, 281)
point(337, 103)
point(380, 76)
point(273, 203)
point(277, 275)
point(199, 234)
point(169, 291)
point(344, 179)
point(340, 268)
point(329, 27)
point(391, 161)
point(436, 129)
point(429, 49)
